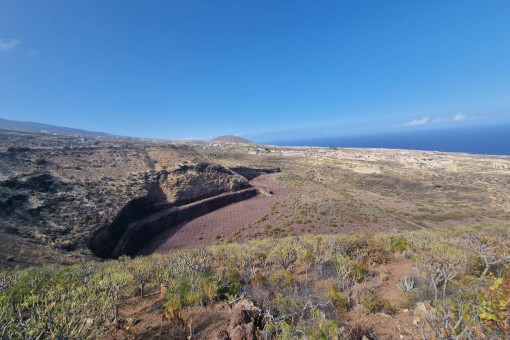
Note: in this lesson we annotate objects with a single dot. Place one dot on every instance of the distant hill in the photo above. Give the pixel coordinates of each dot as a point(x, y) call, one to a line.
point(230, 139)
point(39, 127)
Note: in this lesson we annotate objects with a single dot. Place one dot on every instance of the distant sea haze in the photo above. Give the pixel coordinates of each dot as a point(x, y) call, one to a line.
point(489, 140)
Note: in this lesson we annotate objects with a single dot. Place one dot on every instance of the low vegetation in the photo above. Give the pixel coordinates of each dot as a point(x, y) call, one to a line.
point(302, 286)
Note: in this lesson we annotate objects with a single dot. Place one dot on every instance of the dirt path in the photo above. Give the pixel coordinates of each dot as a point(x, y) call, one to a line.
point(391, 274)
point(383, 326)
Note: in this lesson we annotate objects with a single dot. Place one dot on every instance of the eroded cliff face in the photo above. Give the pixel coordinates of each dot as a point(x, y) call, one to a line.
point(164, 206)
point(190, 183)
point(104, 239)
point(131, 232)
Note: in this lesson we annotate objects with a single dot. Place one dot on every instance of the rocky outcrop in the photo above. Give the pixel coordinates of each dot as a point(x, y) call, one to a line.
point(246, 321)
point(105, 239)
point(190, 183)
point(179, 196)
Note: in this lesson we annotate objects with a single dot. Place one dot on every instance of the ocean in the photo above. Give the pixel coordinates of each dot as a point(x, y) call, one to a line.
point(490, 140)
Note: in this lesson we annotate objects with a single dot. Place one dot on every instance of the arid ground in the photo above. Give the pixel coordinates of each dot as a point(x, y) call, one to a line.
point(242, 238)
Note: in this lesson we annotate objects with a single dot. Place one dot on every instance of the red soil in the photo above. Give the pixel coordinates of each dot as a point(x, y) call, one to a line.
point(224, 222)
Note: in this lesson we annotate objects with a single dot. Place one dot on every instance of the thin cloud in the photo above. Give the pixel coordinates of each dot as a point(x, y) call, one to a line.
point(8, 44)
point(459, 117)
point(33, 53)
point(415, 122)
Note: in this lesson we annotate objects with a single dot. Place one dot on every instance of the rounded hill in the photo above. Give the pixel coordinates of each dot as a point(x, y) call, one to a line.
point(230, 139)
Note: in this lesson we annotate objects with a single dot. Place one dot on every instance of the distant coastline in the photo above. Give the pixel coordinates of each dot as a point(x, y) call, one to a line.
point(489, 140)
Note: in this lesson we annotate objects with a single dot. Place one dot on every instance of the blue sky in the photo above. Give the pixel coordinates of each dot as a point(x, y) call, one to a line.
point(261, 69)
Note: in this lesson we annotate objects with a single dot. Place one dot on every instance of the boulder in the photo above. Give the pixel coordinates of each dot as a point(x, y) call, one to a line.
point(244, 332)
point(245, 321)
point(223, 335)
point(421, 312)
point(243, 316)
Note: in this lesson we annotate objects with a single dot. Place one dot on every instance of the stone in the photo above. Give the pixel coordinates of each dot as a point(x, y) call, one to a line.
point(243, 316)
point(421, 311)
point(223, 335)
point(243, 332)
point(163, 290)
point(244, 320)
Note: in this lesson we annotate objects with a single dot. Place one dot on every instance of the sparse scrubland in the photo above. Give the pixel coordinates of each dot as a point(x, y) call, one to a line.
point(240, 241)
point(456, 285)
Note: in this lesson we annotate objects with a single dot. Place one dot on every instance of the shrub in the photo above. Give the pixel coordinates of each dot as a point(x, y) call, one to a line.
point(284, 254)
point(80, 298)
point(365, 248)
point(327, 329)
point(228, 282)
point(374, 304)
point(475, 266)
point(204, 289)
point(142, 270)
point(113, 281)
point(410, 299)
point(489, 251)
point(49, 303)
point(5, 281)
point(397, 244)
point(282, 279)
point(495, 307)
point(182, 294)
point(258, 280)
point(361, 272)
point(338, 299)
point(453, 320)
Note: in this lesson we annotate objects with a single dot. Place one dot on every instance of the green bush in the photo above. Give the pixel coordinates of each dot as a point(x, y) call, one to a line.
point(49, 303)
point(397, 244)
point(282, 279)
point(374, 304)
point(228, 283)
point(184, 294)
point(495, 307)
point(338, 299)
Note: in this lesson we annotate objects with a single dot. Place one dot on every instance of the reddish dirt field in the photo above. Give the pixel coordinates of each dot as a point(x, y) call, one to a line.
point(222, 223)
point(235, 222)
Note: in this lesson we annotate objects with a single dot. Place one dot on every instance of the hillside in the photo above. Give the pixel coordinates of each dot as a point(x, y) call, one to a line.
point(230, 139)
point(240, 241)
point(46, 128)
point(68, 195)
point(425, 284)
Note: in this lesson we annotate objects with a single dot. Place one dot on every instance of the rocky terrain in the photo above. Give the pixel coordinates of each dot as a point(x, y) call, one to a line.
point(60, 193)
point(249, 242)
